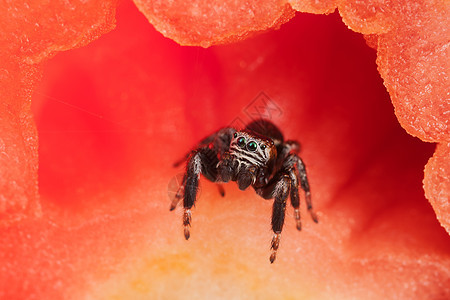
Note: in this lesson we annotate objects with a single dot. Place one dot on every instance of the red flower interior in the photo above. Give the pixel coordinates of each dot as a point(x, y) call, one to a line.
point(112, 118)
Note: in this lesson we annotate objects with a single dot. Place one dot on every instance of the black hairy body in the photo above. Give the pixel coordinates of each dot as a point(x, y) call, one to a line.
point(257, 156)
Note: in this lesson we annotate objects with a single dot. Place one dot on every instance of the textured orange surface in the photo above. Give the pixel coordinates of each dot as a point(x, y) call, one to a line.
point(206, 23)
point(30, 33)
point(114, 115)
point(437, 183)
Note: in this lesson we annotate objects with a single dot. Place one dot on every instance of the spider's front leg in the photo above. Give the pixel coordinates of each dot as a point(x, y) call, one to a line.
point(202, 161)
point(280, 193)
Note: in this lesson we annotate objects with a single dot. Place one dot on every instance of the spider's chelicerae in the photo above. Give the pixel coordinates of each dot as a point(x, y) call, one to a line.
point(256, 156)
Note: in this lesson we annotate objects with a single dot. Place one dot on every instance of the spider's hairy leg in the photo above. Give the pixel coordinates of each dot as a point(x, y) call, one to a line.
point(301, 170)
point(295, 199)
point(193, 171)
point(203, 143)
point(274, 246)
point(280, 193)
point(290, 164)
point(202, 161)
point(289, 147)
point(187, 217)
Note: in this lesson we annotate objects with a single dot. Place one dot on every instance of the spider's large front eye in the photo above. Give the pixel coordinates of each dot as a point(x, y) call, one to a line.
point(241, 142)
point(251, 146)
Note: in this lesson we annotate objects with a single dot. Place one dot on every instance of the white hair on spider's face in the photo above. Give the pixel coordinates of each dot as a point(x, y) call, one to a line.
point(251, 150)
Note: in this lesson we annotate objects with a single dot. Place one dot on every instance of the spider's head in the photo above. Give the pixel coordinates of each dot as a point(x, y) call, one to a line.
point(252, 150)
point(252, 158)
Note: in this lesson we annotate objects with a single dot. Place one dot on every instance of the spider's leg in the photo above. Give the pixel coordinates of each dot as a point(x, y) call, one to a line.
point(179, 195)
point(193, 171)
point(220, 139)
point(203, 143)
point(289, 166)
point(280, 193)
point(295, 199)
point(289, 147)
point(202, 161)
point(181, 160)
point(305, 186)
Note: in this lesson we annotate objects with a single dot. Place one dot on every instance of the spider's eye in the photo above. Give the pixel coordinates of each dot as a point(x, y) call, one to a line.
point(241, 142)
point(263, 146)
point(235, 135)
point(251, 146)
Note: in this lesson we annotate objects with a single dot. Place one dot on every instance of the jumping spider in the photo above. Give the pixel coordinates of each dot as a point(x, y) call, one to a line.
point(256, 156)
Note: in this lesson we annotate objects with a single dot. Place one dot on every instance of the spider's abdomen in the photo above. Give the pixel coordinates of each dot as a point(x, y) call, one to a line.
point(267, 129)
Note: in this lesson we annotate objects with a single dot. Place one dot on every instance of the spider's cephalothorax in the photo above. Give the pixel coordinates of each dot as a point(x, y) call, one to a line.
point(256, 156)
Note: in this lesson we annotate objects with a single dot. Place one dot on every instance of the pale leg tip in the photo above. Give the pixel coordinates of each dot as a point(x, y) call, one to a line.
point(187, 233)
point(273, 256)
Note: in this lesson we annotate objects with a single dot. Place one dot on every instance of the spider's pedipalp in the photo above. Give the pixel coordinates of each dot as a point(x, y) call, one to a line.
point(246, 177)
point(226, 167)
